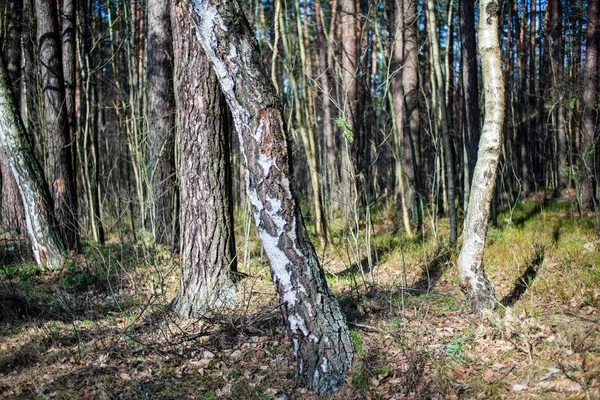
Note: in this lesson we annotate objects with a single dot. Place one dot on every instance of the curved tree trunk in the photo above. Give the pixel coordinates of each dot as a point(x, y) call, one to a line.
point(473, 280)
point(587, 156)
point(207, 235)
point(163, 221)
point(314, 322)
point(60, 143)
point(46, 241)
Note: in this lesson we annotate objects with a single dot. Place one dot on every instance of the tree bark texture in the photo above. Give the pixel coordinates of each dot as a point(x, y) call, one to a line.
point(46, 240)
point(161, 124)
point(12, 218)
point(473, 280)
point(207, 235)
point(68, 60)
point(470, 86)
point(314, 322)
point(558, 80)
point(410, 82)
point(590, 84)
point(60, 143)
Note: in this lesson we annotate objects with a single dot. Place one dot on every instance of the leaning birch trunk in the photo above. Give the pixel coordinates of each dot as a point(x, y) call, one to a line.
point(314, 322)
point(473, 280)
point(46, 243)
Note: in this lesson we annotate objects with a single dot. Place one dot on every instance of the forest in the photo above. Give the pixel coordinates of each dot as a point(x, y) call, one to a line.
point(269, 199)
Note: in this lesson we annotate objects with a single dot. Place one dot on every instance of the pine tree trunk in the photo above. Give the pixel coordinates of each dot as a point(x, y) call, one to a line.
point(410, 83)
point(207, 236)
point(163, 221)
point(314, 322)
point(590, 84)
point(558, 87)
point(470, 87)
point(46, 241)
point(60, 144)
point(473, 280)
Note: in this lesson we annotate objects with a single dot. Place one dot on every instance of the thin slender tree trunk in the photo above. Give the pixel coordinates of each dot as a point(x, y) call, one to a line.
point(60, 142)
point(590, 104)
point(473, 280)
point(46, 241)
point(314, 322)
point(410, 83)
point(470, 88)
point(163, 221)
point(207, 235)
point(443, 119)
point(558, 87)
point(403, 151)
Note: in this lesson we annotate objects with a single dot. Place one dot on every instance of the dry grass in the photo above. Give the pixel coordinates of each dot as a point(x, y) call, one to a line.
point(100, 327)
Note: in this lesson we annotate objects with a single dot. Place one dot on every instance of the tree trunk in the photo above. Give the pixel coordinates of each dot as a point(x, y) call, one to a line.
point(470, 87)
point(402, 146)
point(443, 118)
point(46, 241)
point(590, 84)
point(473, 280)
point(12, 218)
point(207, 235)
point(314, 322)
point(558, 80)
point(410, 83)
point(68, 61)
point(163, 221)
point(60, 143)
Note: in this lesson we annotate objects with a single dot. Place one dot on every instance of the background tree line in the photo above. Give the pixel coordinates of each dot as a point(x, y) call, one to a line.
point(105, 102)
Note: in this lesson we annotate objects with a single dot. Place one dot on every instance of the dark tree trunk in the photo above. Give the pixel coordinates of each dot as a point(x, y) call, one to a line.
point(163, 221)
point(470, 87)
point(68, 60)
point(207, 236)
point(590, 84)
point(46, 241)
point(410, 82)
point(60, 143)
point(558, 80)
point(314, 322)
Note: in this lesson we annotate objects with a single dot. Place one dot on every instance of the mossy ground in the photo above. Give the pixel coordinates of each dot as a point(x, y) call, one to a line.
point(100, 327)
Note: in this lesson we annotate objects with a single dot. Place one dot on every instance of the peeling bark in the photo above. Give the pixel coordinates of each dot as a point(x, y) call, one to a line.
point(473, 280)
point(314, 322)
point(46, 242)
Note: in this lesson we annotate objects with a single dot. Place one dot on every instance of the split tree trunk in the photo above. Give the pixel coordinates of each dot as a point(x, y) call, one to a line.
point(60, 143)
point(314, 322)
point(207, 235)
point(587, 155)
point(46, 241)
point(473, 280)
point(163, 221)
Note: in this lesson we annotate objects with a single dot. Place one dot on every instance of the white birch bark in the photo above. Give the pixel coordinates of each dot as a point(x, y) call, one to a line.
point(473, 280)
point(314, 322)
point(47, 246)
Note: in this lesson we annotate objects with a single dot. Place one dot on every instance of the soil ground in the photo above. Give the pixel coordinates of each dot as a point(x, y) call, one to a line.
point(100, 327)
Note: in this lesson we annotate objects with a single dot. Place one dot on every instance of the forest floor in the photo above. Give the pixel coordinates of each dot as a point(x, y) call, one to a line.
point(99, 328)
